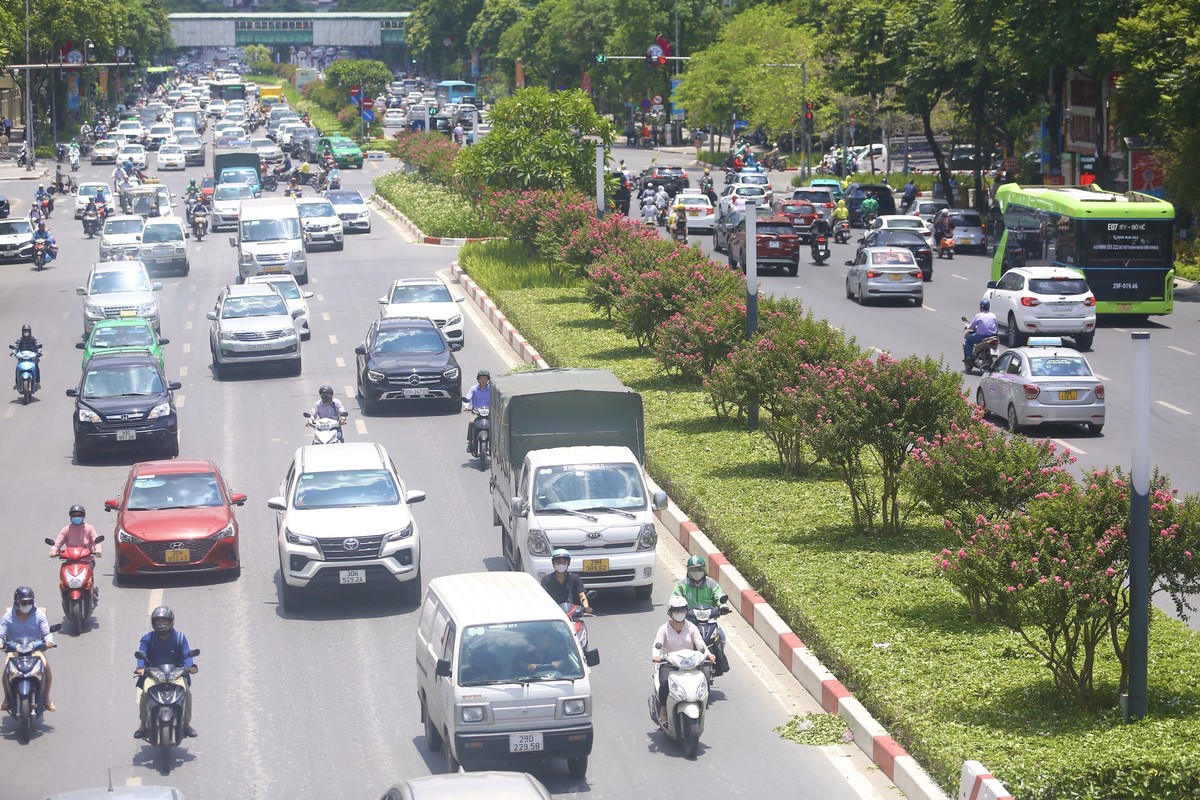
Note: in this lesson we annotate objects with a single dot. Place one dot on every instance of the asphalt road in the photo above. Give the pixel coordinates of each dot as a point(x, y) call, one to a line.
point(320, 703)
point(935, 329)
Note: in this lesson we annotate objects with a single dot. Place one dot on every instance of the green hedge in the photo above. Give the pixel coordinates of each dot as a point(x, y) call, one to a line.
point(874, 609)
point(435, 209)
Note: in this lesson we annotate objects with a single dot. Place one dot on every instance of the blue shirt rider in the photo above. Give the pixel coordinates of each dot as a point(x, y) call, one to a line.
point(328, 407)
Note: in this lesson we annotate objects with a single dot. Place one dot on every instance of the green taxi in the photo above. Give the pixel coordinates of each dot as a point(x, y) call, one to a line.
point(133, 334)
point(345, 152)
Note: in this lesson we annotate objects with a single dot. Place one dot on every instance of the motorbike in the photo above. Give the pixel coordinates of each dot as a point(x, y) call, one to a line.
point(820, 249)
point(76, 583)
point(706, 184)
point(777, 163)
point(91, 223)
point(705, 618)
point(166, 707)
point(841, 231)
point(679, 233)
point(199, 224)
point(325, 429)
point(270, 181)
point(687, 698)
point(869, 219)
point(27, 362)
point(23, 156)
point(660, 218)
point(985, 353)
point(293, 191)
point(481, 426)
point(61, 152)
point(946, 247)
point(575, 614)
point(40, 251)
point(24, 676)
point(47, 206)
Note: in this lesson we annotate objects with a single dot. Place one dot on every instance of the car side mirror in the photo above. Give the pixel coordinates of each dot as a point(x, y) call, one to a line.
point(82, 292)
point(299, 312)
point(442, 670)
point(164, 341)
point(862, 239)
point(849, 263)
point(414, 496)
point(383, 301)
point(519, 507)
point(360, 350)
point(186, 234)
point(212, 315)
point(592, 657)
point(991, 284)
point(174, 386)
point(81, 345)
point(458, 299)
point(156, 287)
point(72, 393)
point(233, 242)
point(112, 505)
point(237, 499)
point(277, 504)
point(660, 501)
point(308, 295)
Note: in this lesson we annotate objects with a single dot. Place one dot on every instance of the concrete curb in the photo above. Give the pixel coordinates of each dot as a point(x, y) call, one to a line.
point(416, 233)
point(871, 737)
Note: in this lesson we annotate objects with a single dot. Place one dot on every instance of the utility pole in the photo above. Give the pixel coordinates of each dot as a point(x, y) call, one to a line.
point(807, 134)
point(28, 100)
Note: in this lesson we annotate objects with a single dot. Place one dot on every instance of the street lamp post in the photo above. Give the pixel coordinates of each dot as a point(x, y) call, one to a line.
point(28, 100)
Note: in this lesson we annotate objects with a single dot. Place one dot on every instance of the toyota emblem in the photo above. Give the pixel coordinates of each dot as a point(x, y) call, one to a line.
point(414, 379)
point(178, 545)
point(350, 544)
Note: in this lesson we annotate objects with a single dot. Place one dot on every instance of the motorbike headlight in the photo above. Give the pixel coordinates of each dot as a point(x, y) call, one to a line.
point(295, 538)
point(126, 537)
point(472, 714)
point(74, 581)
point(225, 533)
point(539, 545)
point(403, 533)
point(457, 318)
point(159, 411)
point(647, 537)
point(450, 374)
point(375, 377)
point(574, 707)
point(87, 415)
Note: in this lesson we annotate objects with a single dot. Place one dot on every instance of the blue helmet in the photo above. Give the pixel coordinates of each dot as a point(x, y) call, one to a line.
point(985, 304)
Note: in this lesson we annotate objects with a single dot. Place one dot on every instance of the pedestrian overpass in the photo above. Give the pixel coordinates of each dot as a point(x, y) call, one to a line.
point(320, 29)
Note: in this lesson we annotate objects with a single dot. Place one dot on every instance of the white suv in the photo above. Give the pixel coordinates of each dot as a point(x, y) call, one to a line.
point(119, 290)
point(344, 520)
point(1043, 301)
point(429, 298)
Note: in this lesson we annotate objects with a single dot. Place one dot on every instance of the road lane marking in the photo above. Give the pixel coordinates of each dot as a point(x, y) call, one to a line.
point(187, 326)
point(1121, 330)
point(11, 410)
point(191, 306)
point(1180, 350)
point(313, 280)
point(325, 316)
point(332, 339)
point(1176, 409)
point(320, 298)
point(960, 277)
point(1070, 447)
point(183, 372)
point(349, 391)
point(134, 781)
point(929, 308)
point(156, 599)
point(187, 347)
point(192, 288)
point(341, 362)
point(361, 427)
point(179, 400)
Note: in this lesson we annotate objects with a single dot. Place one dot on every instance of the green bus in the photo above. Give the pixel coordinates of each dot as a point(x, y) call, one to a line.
point(1123, 243)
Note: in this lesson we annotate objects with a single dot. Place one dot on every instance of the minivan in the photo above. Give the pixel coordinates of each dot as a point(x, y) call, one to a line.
point(270, 240)
point(500, 675)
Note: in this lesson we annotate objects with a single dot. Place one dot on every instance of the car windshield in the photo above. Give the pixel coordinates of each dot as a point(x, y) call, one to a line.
point(162, 233)
point(133, 380)
point(259, 305)
point(288, 289)
point(188, 490)
point(106, 144)
point(122, 336)
point(90, 189)
point(967, 220)
point(238, 192)
point(15, 227)
point(758, 180)
point(812, 197)
point(188, 139)
point(518, 652)
point(584, 486)
point(1058, 365)
point(242, 176)
point(345, 489)
point(316, 210)
point(270, 230)
point(122, 281)
point(900, 237)
point(905, 222)
point(1058, 286)
point(798, 208)
point(427, 293)
point(170, 149)
point(746, 190)
point(409, 340)
point(345, 198)
point(257, 143)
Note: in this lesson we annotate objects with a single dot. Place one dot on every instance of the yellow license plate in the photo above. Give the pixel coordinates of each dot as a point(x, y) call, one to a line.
point(272, 270)
point(1124, 306)
point(693, 213)
point(1070, 394)
point(895, 276)
point(179, 556)
point(128, 313)
point(595, 565)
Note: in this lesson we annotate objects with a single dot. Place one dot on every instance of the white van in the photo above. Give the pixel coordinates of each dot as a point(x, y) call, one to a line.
point(500, 675)
point(871, 158)
point(270, 240)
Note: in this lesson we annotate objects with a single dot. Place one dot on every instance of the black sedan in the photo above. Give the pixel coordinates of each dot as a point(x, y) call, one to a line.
point(5, 208)
point(406, 358)
point(909, 240)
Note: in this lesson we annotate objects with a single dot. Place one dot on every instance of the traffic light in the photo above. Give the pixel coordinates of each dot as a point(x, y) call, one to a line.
point(662, 61)
point(601, 58)
point(808, 117)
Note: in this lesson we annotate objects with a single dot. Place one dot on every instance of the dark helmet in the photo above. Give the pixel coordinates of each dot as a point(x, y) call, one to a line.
point(985, 304)
point(77, 511)
point(162, 619)
point(483, 373)
point(325, 390)
point(22, 594)
point(26, 330)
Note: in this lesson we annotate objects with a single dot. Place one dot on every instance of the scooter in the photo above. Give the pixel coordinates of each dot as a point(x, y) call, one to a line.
point(76, 584)
point(705, 618)
point(23, 156)
point(270, 181)
point(91, 224)
point(985, 353)
point(820, 249)
point(679, 234)
point(575, 614)
point(199, 224)
point(47, 206)
point(39, 254)
point(27, 361)
point(74, 158)
point(325, 429)
point(687, 698)
point(841, 231)
point(481, 426)
point(166, 708)
point(946, 247)
point(24, 676)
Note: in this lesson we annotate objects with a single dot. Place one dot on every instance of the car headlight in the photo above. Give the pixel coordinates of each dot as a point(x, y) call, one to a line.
point(647, 537)
point(472, 714)
point(364, 214)
point(127, 537)
point(227, 336)
point(574, 707)
point(159, 411)
point(450, 374)
point(94, 312)
point(295, 538)
point(179, 251)
point(403, 533)
point(87, 415)
point(246, 259)
point(225, 533)
point(297, 255)
point(539, 545)
point(457, 318)
point(148, 308)
point(376, 377)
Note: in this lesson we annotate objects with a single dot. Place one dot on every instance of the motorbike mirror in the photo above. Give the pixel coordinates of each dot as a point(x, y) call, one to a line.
point(658, 645)
point(590, 594)
point(592, 657)
point(49, 541)
point(964, 319)
point(238, 499)
point(414, 496)
point(14, 347)
point(56, 627)
point(443, 668)
point(307, 415)
point(99, 538)
point(112, 505)
point(164, 341)
point(277, 504)
point(139, 655)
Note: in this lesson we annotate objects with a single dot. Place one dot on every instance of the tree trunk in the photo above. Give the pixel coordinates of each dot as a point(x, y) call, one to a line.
point(935, 148)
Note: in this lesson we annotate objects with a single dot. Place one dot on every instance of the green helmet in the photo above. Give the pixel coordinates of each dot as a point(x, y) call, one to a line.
point(696, 561)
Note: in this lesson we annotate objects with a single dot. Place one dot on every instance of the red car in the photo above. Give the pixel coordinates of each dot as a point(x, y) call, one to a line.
point(802, 215)
point(176, 516)
point(778, 245)
point(208, 187)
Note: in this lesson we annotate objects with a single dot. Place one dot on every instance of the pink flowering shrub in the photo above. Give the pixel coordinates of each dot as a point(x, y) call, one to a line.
point(583, 247)
point(666, 286)
point(519, 215)
point(695, 340)
point(613, 269)
point(433, 154)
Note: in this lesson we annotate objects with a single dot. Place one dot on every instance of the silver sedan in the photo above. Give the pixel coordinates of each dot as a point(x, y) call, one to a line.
point(1043, 383)
point(879, 272)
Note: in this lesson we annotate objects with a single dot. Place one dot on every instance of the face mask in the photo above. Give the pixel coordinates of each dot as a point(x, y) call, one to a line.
point(696, 574)
point(560, 568)
point(25, 607)
point(76, 520)
point(679, 616)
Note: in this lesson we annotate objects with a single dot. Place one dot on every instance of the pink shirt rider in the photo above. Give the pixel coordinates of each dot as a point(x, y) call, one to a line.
point(76, 536)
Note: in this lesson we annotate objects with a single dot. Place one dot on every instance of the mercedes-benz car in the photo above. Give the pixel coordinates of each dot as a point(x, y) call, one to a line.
point(406, 359)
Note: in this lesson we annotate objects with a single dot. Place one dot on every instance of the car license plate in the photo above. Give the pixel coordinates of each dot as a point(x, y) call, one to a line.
point(1061, 309)
point(418, 392)
point(693, 213)
point(261, 346)
point(895, 276)
point(525, 743)
point(1070, 394)
point(773, 245)
point(352, 576)
point(126, 436)
point(595, 565)
point(179, 556)
point(272, 270)
point(1124, 306)
point(963, 242)
point(129, 312)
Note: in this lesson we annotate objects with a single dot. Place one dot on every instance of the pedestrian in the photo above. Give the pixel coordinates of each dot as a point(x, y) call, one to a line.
point(7, 125)
point(4, 143)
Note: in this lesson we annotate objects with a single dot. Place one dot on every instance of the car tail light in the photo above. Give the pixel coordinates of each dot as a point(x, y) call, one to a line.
point(1031, 391)
point(915, 273)
point(1091, 301)
point(1099, 391)
point(1030, 302)
point(874, 273)
point(925, 251)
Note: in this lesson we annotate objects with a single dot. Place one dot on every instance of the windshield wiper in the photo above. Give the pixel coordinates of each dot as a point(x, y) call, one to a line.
point(611, 510)
point(570, 511)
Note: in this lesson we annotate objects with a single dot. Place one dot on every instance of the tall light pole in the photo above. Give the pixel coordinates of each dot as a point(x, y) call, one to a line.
point(28, 99)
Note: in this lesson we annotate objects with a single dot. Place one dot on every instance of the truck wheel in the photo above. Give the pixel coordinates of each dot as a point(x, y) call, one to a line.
point(433, 737)
point(643, 592)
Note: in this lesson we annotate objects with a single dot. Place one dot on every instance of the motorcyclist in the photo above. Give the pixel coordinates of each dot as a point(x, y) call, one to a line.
point(27, 341)
point(564, 586)
point(909, 195)
point(869, 208)
point(480, 396)
point(706, 182)
point(192, 192)
point(73, 154)
point(648, 194)
point(333, 178)
point(841, 213)
point(42, 234)
point(43, 197)
point(328, 407)
point(943, 228)
point(700, 590)
point(982, 326)
point(78, 533)
point(90, 208)
point(26, 620)
point(85, 130)
point(662, 199)
point(164, 645)
point(678, 219)
point(819, 227)
point(677, 633)
point(60, 180)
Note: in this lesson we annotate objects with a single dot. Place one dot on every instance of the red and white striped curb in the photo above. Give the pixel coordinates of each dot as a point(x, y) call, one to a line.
point(978, 784)
point(871, 737)
point(416, 233)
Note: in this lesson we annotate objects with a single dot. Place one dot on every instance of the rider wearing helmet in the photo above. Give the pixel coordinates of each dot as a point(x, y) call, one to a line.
point(25, 621)
point(480, 396)
point(165, 645)
point(678, 220)
point(700, 590)
point(30, 342)
point(983, 326)
point(328, 407)
point(78, 533)
point(677, 633)
point(564, 586)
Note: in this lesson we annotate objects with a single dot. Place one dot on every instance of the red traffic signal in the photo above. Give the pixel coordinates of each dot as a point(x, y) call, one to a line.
point(662, 60)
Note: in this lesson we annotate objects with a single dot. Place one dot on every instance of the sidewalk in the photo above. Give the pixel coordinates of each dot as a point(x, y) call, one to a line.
point(9, 171)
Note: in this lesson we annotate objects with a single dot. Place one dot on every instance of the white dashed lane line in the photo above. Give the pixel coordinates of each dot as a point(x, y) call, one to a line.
point(332, 339)
point(361, 427)
point(1070, 447)
point(960, 277)
point(929, 308)
point(341, 362)
point(1180, 350)
point(1176, 409)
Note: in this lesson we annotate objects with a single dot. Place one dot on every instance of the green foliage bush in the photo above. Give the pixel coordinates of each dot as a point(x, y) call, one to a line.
point(435, 209)
point(431, 153)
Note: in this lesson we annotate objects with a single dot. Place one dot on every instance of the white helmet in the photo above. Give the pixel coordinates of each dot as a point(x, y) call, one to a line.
point(677, 603)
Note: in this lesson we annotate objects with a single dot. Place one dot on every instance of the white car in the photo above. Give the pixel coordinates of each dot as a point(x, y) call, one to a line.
point(160, 133)
point(251, 324)
point(171, 156)
point(122, 235)
point(700, 212)
point(86, 192)
point(295, 297)
point(902, 222)
point(1043, 301)
point(352, 208)
point(131, 128)
point(216, 107)
point(429, 298)
point(343, 520)
point(227, 204)
point(321, 223)
point(759, 179)
point(119, 290)
point(105, 151)
point(733, 197)
point(133, 152)
point(395, 118)
point(1043, 383)
point(267, 150)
